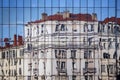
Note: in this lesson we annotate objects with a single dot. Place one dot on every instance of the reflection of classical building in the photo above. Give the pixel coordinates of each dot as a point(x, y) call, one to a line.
point(64, 46)
point(68, 46)
point(11, 59)
point(109, 47)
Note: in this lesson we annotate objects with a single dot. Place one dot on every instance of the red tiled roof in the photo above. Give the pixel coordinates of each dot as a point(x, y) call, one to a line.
point(112, 19)
point(59, 17)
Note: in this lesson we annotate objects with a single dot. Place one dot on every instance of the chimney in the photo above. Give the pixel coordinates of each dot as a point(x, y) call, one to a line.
point(6, 40)
point(94, 16)
point(15, 40)
point(66, 14)
point(20, 40)
point(44, 16)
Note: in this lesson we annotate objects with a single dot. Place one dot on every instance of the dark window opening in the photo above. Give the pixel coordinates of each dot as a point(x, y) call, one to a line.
point(73, 53)
point(27, 31)
point(63, 65)
point(3, 55)
point(106, 56)
point(92, 27)
point(73, 77)
point(87, 54)
point(62, 27)
point(55, 53)
point(20, 72)
point(57, 28)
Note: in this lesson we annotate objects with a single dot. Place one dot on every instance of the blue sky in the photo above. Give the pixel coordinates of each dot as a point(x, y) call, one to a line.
point(15, 13)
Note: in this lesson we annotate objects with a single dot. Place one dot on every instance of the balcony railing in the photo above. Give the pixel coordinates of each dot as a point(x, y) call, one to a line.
point(89, 70)
point(61, 71)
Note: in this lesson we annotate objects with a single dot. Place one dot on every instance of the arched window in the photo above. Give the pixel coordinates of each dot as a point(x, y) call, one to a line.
point(116, 29)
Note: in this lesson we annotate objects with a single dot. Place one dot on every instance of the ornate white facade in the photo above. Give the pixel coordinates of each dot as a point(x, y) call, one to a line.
point(68, 46)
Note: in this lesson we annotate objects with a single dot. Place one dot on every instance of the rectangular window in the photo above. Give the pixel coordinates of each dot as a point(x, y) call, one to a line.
point(7, 54)
point(86, 78)
point(74, 65)
point(73, 53)
point(62, 27)
point(104, 45)
point(58, 64)
point(110, 45)
point(19, 61)
point(29, 46)
point(92, 27)
point(3, 55)
point(73, 77)
point(20, 72)
point(15, 73)
point(106, 55)
point(111, 69)
point(37, 29)
point(21, 52)
point(57, 27)
point(90, 77)
point(55, 53)
point(63, 54)
point(27, 31)
point(29, 78)
point(14, 54)
point(63, 65)
point(103, 26)
point(87, 54)
point(86, 64)
point(102, 68)
point(42, 28)
point(89, 41)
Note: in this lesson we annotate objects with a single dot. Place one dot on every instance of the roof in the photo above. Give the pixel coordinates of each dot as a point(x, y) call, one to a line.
point(59, 17)
point(112, 19)
point(17, 42)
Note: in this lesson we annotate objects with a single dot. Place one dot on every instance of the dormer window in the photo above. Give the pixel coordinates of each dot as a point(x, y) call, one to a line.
point(61, 27)
point(88, 27)
point(57, 27)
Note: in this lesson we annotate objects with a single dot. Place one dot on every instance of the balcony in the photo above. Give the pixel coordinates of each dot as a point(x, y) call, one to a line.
point(89, 70)
point(75, 71)
point(61, 71)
